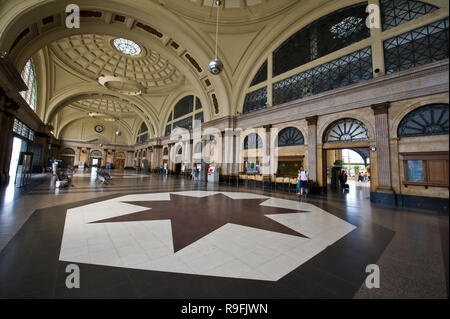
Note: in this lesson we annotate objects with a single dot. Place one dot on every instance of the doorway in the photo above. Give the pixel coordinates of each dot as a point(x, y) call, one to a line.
point(96, 162)
point(354, 163)
point(18, 144)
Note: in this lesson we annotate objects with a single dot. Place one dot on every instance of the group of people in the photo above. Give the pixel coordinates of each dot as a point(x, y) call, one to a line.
point(363, 177)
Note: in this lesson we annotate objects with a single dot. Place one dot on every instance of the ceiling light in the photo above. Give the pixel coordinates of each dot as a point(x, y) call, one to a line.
point(216, 66)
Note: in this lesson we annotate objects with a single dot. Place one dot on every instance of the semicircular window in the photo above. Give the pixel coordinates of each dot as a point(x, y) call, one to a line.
point(252, 141)
point(346, 130)
point(425, 121)
point(68, 151)
point(290, 136)
point(96, 153)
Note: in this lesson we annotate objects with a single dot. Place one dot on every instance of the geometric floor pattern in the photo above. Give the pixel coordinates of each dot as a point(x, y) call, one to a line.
point(231, 249)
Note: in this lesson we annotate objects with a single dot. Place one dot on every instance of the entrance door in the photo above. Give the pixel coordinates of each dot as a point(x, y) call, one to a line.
point(350, 164)
point(15, 154)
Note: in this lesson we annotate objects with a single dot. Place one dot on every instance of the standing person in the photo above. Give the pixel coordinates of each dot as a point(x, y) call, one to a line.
point(302, 181)
point(193, 173)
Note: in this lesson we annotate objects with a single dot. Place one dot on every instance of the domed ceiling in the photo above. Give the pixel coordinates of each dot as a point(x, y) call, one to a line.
point(118, 65)
point(110, 105)
point(232, 11)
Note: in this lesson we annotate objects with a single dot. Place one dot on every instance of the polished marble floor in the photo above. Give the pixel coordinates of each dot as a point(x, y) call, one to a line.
point(153, 236)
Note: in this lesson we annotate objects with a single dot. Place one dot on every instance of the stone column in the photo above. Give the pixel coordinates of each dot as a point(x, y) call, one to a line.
point(157, 151)
point(7, 114)
point(382, 147)
point(266, 157)
point(312, 147)
point(77, 156)
point(88, 157)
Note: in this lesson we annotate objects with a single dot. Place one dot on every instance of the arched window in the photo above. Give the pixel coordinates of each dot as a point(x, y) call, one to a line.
point(185, 112)
point(426, 120)
point(325, 35)
point(252, 141)
point(396, 12)
point(143, 128)
point(417, 47)
point(143, 134)
point(68, 151)
point(96, 153)
point(198, 147)
point(29, 77)
point(261, 75)
point(179, 150)
point(346, 130)
point(290, 136)
point(166, 151)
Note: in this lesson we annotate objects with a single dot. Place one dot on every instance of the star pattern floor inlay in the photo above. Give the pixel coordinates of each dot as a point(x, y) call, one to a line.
point(225, 234)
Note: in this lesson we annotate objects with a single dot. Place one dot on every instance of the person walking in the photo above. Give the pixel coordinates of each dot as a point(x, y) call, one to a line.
point(303, 177)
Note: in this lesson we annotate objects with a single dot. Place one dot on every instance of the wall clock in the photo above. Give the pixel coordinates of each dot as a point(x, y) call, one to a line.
point(98, 128)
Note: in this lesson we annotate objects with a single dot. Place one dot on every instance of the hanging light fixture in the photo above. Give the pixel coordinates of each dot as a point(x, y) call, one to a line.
point(216, 66)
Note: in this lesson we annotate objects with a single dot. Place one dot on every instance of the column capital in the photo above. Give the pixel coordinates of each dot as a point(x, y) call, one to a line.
point(267, 127)
point(312, 120)
point(381, 108)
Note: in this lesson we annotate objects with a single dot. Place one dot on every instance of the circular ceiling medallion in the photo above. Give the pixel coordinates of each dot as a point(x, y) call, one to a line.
point(122, 85)
point(127, 46)
point(99, 128)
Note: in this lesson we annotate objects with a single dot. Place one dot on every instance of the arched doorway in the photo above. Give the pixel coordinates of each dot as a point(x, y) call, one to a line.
point(346, 159)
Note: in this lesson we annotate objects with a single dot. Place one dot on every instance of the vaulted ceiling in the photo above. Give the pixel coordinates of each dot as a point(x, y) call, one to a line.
point(83, 76)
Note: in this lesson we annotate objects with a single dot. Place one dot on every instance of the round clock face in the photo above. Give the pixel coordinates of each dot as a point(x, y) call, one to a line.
point(98, 128)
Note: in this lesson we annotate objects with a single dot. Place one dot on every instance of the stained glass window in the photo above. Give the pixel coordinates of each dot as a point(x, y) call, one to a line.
point(417, 47)
point(290, 136)
point(424, 121)
point(324, 36)
point(346, 130)
point(29, 77)
point(396, 12)
point(255, 100)
point(346, 70)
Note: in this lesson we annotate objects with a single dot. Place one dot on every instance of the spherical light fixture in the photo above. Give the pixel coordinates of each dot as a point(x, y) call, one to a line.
point(118, 133)
point(216, 66)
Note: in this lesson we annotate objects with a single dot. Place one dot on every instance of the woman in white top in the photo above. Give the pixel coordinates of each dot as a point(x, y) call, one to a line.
point(302, 181)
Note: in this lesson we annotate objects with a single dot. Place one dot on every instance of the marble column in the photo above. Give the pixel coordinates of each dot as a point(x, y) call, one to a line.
point(312, 147)
point(382, 147)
